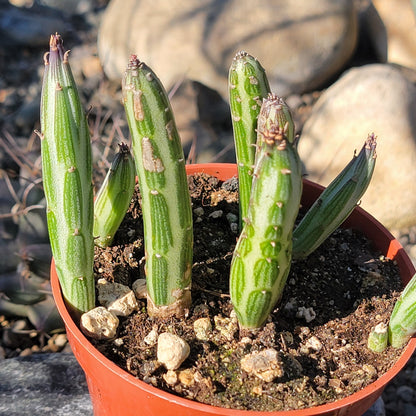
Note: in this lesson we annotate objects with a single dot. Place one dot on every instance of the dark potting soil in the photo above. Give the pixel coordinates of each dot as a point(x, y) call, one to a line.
point(319, 328)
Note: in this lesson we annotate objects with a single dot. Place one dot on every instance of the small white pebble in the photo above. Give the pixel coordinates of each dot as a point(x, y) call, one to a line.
point(151, 337)
point(118, 342)
point(313, 343)
point(308, 314)
point(99, 323)
point(170, 377)
point(202, 328)
point(265, 364)
point(117, 298)
point(172, 350)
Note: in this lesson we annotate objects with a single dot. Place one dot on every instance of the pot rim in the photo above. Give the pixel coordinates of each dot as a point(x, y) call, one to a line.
point(394, 251)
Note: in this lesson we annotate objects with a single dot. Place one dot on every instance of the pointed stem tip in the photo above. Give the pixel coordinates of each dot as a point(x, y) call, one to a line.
point(134, 62)
point(55, 41)
point(371, 144)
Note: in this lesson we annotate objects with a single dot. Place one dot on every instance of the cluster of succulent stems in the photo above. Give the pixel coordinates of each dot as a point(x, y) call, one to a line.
point(270, 189)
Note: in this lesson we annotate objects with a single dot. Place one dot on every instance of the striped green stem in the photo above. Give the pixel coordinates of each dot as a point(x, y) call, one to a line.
point(114, 197)
point(281, 113)
point(166, 207)
point(378, 338)
point(248, 85)
point(402, 325)
point(262, 257)
point(336, 202)
point(67, 179)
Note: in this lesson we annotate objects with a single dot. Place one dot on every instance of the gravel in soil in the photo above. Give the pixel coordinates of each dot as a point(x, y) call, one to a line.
point(319, 330)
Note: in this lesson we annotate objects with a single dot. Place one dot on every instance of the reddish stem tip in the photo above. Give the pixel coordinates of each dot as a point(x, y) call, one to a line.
point(134, 62)
point(55, 41)
point(123, 148)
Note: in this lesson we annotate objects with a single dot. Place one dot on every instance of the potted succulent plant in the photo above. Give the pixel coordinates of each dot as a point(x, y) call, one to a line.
point(270, 187)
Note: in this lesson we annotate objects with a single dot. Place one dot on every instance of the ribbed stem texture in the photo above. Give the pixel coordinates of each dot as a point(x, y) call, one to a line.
point(262, 257)
point(166, 207)
point(114, 197)
point(402, 325)
point(336, 202)
point(248, 85)
point(67, 178)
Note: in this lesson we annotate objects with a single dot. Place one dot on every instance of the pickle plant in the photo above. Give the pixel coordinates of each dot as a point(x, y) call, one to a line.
point(73, 222)
point(262, 257)
point(248, 85)
point(166, 205)
point(67, 179)
point(336, 202)
point(114, 197)
point(261, 260)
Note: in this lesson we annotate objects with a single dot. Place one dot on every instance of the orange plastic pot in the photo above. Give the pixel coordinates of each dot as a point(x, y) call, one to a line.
point(115, 392)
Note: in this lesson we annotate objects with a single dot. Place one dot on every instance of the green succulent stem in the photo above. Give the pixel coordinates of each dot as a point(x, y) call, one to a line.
point(378, 338)
point(336, 202)
point(114, 197)
point(248, 85)
point(262, 257)
point(402, 325)
point(67, 179)
point(166, 207)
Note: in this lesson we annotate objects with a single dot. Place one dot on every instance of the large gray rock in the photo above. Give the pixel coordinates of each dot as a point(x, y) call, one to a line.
point(29, 26)
point(374, 98)
point(44, 384)
point(300, 47)
point(392, 29)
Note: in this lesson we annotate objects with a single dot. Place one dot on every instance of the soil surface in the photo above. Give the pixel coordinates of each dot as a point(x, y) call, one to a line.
point(319, 329)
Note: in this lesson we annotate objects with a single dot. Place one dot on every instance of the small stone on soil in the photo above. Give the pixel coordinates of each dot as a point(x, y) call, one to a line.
point(170, 377)
point(216, 214)
point(227, 327)
point(187, 377)
point(314, 344)
point(172, 350)
point(99, 323)
point(308, 314)
point(151, 337)
point(117, 298)
point(139, 288)
point(202, 328)
point(265, 364)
